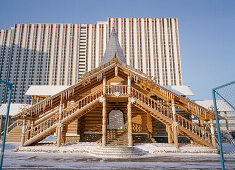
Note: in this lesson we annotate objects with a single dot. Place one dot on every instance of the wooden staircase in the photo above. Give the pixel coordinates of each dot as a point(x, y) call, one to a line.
point(48, 126)
point(165, 115)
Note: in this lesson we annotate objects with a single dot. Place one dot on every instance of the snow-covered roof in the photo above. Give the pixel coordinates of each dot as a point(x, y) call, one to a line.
point(14, 108)
point(222, 106)
point(44, 90)
point(180, 90)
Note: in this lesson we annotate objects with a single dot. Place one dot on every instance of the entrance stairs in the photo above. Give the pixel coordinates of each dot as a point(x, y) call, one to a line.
point(165, 115)
point(118, 151)
point(14, 131)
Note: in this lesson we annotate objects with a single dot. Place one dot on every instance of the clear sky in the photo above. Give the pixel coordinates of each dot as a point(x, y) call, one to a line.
point(206, 27)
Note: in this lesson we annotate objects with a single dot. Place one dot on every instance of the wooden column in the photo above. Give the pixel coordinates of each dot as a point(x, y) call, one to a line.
point(64, 131)
point(175, 126)
point(9, 122)
point(226, 120)
point(169, 132)
point(149, 125)
point(104, 122)
point(59, 126)
point(23, 132)
point(82, 126)
point(32, 100)
point(104, 115)
point(129, 113)
point(212, 133)
point(129, 117)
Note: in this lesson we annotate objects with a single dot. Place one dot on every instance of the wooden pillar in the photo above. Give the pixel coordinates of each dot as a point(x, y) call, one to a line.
point(64, 131)
point(59, 126)
point(212, 133)
point(9, 122)
point(104, 122)
point(149, 125)
point(1, 120)
point(226, 121)
point(129, 113)
point(169, 132)
point(32, 100)
point(23, 132)
point(104, 114)
point(129, 117)
point(82, 126)
point(175, 126)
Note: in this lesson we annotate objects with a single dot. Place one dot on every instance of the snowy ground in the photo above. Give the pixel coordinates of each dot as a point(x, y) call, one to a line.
point(42, 160)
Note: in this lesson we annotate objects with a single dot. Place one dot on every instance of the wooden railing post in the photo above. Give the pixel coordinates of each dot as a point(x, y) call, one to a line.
point(59, 125)
point(175, 125)
point(129, 85)
point(212, 133)
point(104, 122)
point(104, 85)
point(23, 132)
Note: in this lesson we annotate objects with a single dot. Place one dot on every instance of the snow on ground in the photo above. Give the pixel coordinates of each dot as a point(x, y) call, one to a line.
point(169, 148)
point(42, 160)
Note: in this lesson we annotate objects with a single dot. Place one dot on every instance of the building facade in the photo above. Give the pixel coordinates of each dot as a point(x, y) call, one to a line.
point(58, 54)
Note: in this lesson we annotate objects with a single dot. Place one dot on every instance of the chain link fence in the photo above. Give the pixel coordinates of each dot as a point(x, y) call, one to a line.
point(224, 107)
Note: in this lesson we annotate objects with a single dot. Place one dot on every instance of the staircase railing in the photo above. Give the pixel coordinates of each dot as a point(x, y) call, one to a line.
point(82, 102)
point(54, 119)
point(13, 125)
point(186, 104)
point(152, 103)
point(185, 123)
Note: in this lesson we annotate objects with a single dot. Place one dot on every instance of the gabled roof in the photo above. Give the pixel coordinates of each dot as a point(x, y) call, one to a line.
point(180, 90)
point(113, 50)
point(44, 90)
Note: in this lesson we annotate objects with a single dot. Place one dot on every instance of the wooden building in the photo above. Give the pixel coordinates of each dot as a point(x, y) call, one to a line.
point(113, 103)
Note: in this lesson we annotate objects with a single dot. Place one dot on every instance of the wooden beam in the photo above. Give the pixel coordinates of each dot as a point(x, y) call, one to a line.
point(149, 125)
point(169, 132)
point(64, 131)
point(59, 126)
point(129, 117)
point(104, 122)
point(23, 133)
point(175, 125)
point(212, 133)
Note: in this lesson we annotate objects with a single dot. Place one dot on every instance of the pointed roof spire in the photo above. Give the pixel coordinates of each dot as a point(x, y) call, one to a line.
point(113, 49)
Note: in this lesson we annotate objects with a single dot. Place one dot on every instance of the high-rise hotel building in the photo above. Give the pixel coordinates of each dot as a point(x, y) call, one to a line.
point(58, 54)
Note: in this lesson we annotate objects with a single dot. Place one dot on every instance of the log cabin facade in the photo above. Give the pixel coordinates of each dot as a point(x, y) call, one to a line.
point(112, 104)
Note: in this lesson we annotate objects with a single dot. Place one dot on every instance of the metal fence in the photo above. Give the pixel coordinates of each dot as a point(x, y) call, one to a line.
point(224, 105)
point(6, 90)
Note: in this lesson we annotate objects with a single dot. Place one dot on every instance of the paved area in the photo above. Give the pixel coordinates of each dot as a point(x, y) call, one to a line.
point(26, 160)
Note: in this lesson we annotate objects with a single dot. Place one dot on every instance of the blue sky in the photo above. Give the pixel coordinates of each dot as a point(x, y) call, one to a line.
point(206, 27)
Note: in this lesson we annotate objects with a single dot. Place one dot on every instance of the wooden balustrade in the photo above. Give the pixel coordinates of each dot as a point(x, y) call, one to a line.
point(54, 119)
point(185, 123)
point(113, 89)
point(13, 125)
point(152, 103)
point(81, 103)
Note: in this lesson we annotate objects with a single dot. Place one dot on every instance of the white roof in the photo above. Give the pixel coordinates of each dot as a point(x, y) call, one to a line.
point(44, 90)
point(14, 108)
point(222, 106)
point(180, 90)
